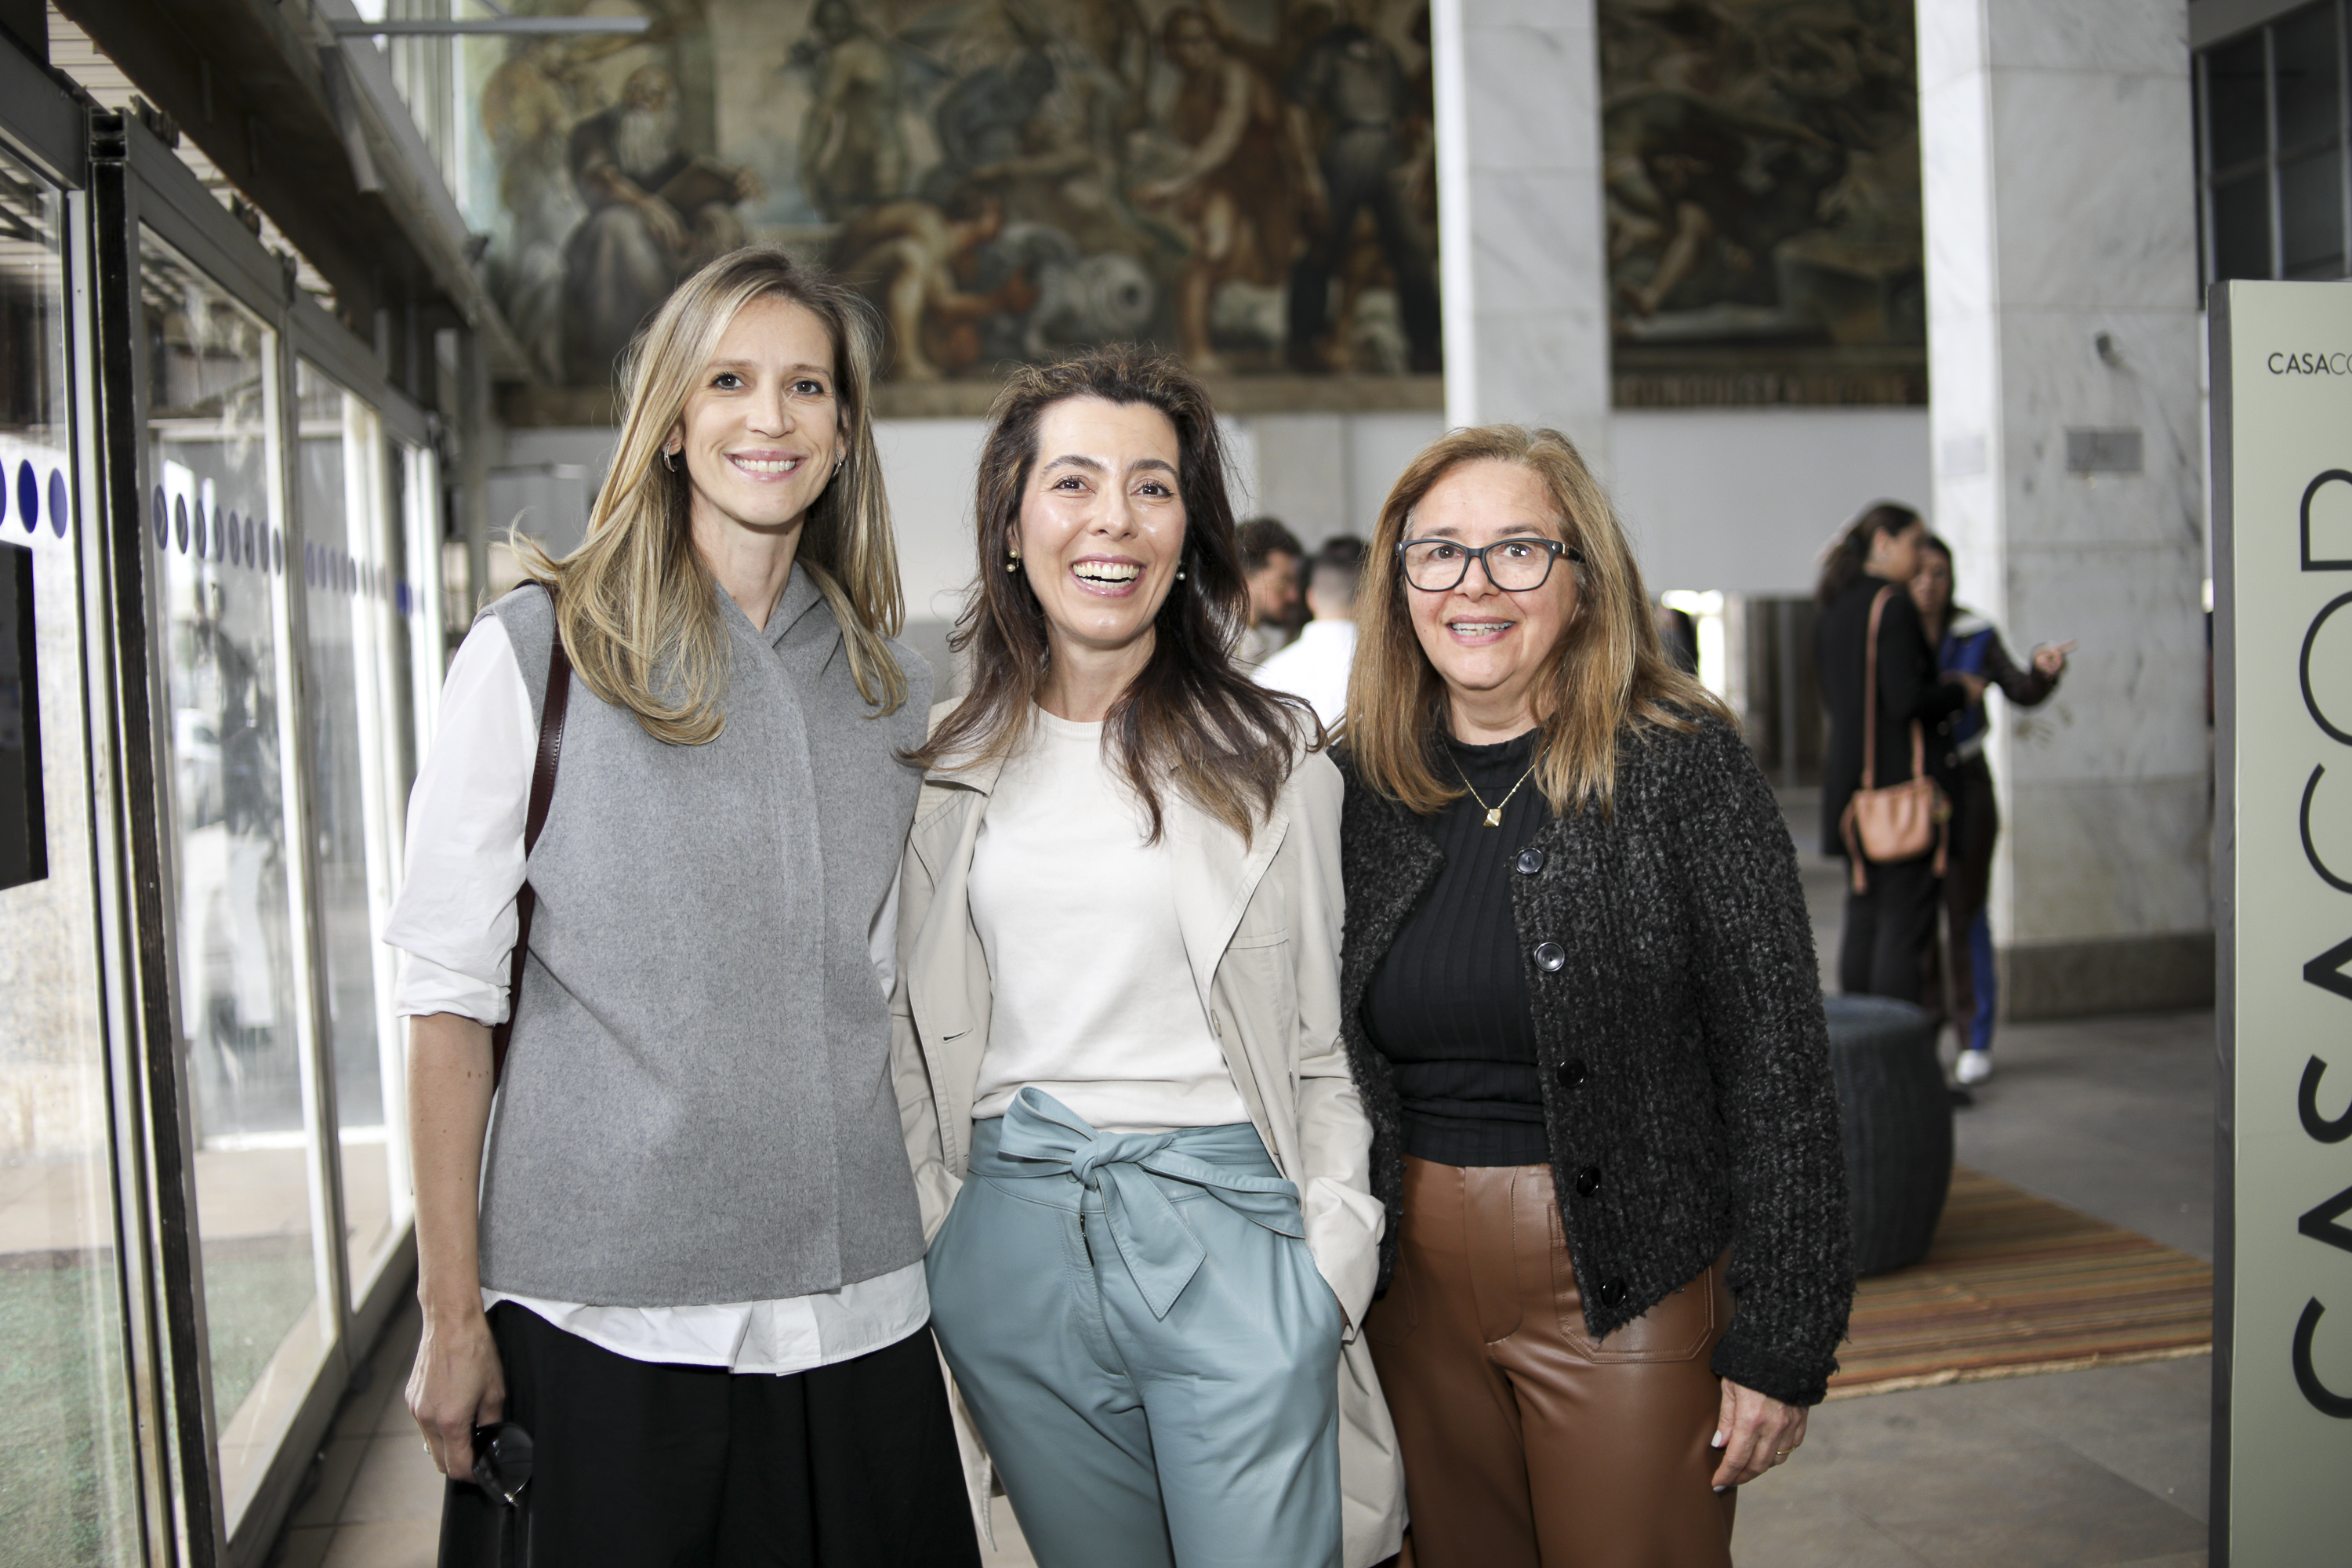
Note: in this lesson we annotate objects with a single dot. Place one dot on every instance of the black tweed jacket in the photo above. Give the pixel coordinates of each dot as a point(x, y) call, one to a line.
point(1684, 1062)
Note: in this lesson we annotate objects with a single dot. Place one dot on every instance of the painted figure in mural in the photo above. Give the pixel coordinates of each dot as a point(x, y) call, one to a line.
point(1762, 167)
point(1235, 194)
point(528, 108)
point(1352, 81)
point(907, 256)
point(852, 153)
point(655, 211)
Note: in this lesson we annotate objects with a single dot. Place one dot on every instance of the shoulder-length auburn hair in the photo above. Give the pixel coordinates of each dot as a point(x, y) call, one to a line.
point(1191, 718)
point(637, 605)
point(1609, 671)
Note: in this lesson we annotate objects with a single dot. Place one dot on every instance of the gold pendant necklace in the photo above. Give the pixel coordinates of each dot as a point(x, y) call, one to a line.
point(1493, 812)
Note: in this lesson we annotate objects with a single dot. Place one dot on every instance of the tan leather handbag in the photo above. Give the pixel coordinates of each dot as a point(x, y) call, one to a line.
point(1903, 821)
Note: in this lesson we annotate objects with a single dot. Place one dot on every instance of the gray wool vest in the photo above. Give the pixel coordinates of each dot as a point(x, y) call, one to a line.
point(697, 1106)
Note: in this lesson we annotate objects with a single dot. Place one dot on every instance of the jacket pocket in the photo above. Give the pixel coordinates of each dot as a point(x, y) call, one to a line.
point(1683, 1327)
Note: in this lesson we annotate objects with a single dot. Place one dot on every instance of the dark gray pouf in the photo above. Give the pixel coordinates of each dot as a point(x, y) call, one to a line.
point(1898, 1127)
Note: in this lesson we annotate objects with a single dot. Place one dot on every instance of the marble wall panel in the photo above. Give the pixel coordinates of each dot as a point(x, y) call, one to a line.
point(2095, 199)
point(2132, 704)
point(2134, 857)
point(2057, 158)
point(1537, 241)
point(1952, 45)
point(2148, 38)
point(2055, 380)
point(1534, 89)
point(1524, 275)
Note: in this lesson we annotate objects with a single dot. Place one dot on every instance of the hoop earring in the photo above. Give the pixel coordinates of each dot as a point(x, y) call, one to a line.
point(669, 460)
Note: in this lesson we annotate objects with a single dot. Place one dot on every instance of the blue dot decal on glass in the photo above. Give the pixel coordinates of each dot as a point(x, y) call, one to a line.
point(309, 567)
point(253, 545)
point(277, 551)
point(162, 522)
point(198, 545)
point(180, 523)
point(28, 497)
point(237, 556)
point(57, 503)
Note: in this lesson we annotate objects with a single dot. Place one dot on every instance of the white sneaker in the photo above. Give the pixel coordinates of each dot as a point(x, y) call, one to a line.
point(1974, 1067)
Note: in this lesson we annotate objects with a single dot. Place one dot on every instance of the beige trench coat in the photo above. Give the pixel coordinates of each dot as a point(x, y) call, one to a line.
point(1261, 926)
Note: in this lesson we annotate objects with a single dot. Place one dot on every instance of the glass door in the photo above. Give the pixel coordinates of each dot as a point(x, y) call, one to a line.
point(356, 680)
point(69, 1489)
point(219, 543)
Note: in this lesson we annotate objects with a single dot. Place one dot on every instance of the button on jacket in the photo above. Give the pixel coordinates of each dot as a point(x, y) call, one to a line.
point(1261, 928)
point(1684, 1061)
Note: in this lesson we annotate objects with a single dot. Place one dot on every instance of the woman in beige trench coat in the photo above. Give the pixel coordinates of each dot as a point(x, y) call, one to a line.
point(1259, 919)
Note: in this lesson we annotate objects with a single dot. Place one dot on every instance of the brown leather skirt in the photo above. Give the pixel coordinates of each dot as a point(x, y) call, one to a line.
point(1526, 1443)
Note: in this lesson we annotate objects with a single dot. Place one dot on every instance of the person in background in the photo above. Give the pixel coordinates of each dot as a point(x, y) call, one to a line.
point(1270, 558)
point(1316, 667)
point(1890, 925)
point(1579, 991)
point(1968, 644)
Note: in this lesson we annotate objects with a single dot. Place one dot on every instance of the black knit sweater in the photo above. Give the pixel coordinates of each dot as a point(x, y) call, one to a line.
point(1684, 1062)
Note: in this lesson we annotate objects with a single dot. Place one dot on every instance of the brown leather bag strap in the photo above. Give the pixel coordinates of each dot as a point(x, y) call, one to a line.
point(543, 792)
point(1870, 692)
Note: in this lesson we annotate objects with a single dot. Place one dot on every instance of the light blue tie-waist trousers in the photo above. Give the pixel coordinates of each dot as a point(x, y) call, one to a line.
point(1145, 1343)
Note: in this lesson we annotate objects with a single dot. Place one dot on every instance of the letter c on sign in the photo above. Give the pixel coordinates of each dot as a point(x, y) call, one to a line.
point(2309, 638)
point(2307, 1377)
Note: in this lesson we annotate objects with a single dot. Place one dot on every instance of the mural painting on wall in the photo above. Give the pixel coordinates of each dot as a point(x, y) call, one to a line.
point(1249, 182)
point(1762, 184)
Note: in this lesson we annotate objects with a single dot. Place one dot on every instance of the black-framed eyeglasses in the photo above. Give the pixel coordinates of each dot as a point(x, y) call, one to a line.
point(1514, 565)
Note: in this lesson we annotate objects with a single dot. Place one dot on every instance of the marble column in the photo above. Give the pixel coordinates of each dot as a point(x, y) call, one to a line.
point(2059, 182)
point(1523, 260)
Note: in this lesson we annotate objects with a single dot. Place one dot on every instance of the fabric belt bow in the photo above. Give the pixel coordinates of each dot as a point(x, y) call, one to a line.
point(1160, 1250)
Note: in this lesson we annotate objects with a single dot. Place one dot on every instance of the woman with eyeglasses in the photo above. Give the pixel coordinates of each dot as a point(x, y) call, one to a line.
point(1579, 991)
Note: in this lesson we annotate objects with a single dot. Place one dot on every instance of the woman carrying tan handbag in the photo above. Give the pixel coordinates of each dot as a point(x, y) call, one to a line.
point(1882, 800)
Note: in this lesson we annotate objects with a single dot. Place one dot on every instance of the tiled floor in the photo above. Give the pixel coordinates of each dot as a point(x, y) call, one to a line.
point(2086, 1469)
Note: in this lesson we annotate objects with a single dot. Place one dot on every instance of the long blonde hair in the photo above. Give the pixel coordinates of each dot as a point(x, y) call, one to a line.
point(637, 607)
point(1607, 673)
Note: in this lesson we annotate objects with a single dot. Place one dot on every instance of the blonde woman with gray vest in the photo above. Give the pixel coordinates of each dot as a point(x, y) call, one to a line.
point(1142, 1161)
point(679, 1246)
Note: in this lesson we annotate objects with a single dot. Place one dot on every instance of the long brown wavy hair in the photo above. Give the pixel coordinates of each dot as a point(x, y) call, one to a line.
point(1843, 562)
point(1608, 675)
point(1191, 718)
point(637, 607)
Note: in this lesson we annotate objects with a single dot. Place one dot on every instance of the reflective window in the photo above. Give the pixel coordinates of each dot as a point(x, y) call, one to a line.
point(217, 539)
point(2270, 105)
point(67, 1489)
point(357, 692)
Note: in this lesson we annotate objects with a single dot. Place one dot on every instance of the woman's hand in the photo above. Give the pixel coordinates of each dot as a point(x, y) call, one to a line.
point(1755, 1433)
point(2050, 660)
point(455, 1386)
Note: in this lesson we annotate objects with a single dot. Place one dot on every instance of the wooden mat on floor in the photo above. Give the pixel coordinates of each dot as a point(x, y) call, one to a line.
point(2017, 1284)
